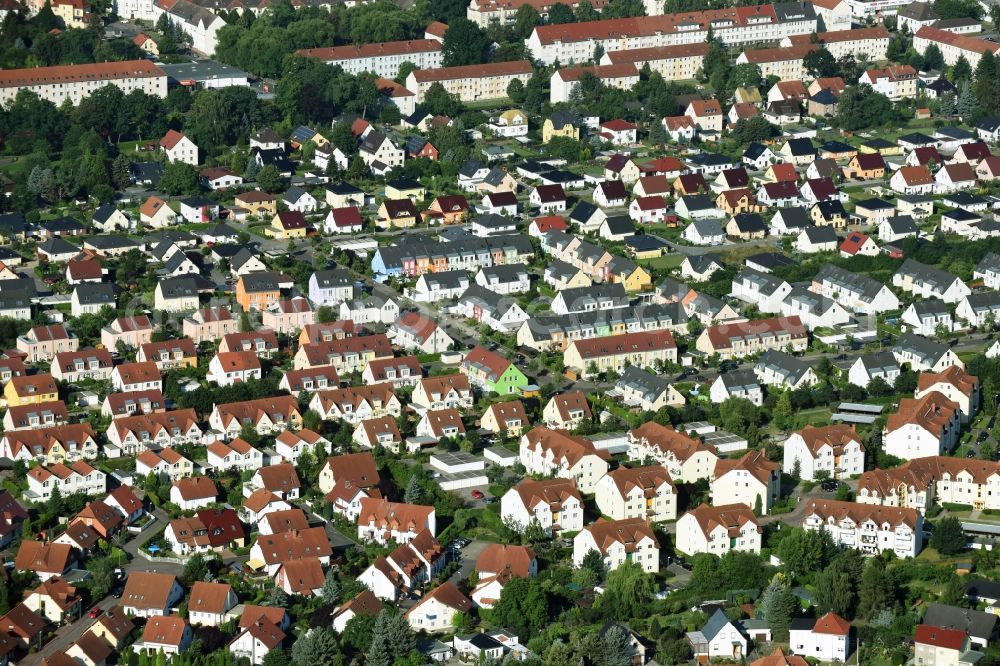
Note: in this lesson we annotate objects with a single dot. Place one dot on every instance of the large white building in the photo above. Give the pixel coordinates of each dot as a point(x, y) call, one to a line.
point(869, 528)
point(953, 46)
point(618, 542)
point(555, 453)
point(718, 530)
point(381, 58)
point(471, 83)
point(555, 504)
point(919, 483)
point(74, 82)
point(637, 492)
point(836, 449)
point(201, 25)
point(576, 42)
point(921, 427)
point(752, 480)
point(686, 459)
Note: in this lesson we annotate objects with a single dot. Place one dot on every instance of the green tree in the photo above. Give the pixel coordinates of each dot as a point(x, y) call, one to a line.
point(961, 70)
point(966, 101)
point(954, 591)
point(179, 178)
point(820, 62)
point(522, 607)
point(948, 538)
point(616, 647)
point(269, 178)
point(875, 592)
point(782, 412)
point(331, 588)
point(933, 58)
point(585, 11)
point(277, 658)
point(777, 606)
point(560, 13)
point(987, 86)
point(438, 101)
point(316, 647)
point(627, 591)
point(804, 552)
point(515, 89)
point(414, 491)
point(195, 569)
point(465, 43)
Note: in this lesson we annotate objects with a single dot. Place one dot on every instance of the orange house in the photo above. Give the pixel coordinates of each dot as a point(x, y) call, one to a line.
point(258, 291)
point(690, 183)
point(738, 201)
point(447, 209)
point(865, 166)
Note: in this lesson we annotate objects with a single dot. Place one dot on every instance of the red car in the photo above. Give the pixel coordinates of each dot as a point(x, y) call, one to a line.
point(478, 494)
point(94, 612)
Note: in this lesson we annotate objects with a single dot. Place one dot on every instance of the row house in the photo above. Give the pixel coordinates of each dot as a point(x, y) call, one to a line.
point(556, 453)
point(77, 477)
point(567, 410)
point(288, 316)
point(346, 356)
point(929, 282)
point(555, 332)
point(870, 43)
point(67, 443)
point(42, 415)
point(168, 354)
point(400, 371)
point(291, 445)
point(856, 293)
point(471, 83)
point(268, 416)
point(736, 340)
point(357, 403)
point(73, 366)
point(236, 454)
point(274, 550)
point(381, 58)
point(130, 435)
point(869, 528)
point(924, 354)
point(613, 353)
point(954, 384)
point(228, 368)
point(310, 380)
point(139, 376)
point(382, 431)
point(117, 405)
point(42, 343)
point(443, 392)
point(416, 258)
point(209, 325)
point(262, 342)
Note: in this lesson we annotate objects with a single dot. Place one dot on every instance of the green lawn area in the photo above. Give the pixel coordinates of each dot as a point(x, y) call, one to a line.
point(814, 416)
point(664, 263)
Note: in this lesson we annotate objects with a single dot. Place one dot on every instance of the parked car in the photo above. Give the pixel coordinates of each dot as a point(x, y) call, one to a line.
point(94, 613)
point(478, 494)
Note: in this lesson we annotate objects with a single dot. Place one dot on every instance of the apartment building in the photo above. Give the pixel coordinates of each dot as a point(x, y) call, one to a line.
point(895, 81)
point(637, 492)
point(752, 480)
point(132, 434)
point(555, 504)
point(786, 63)
point(555, 453)
point(471, 83)
point(621, 75)
point(381, 521)
point(680, 62)
point(922, 482)
point(568, 43)
point(920, 427)
point(356, 403)
point(869, 528)
point(956, 385)
point(834, 449)
point(718, 530)
point(382, 58)
point(926, 281)
point(871, 42)
point(685, 458)
point(415, 258)
point(74, 82)
point(485, 12)
point(72, 366)
point(953, 46)
point(618, 542)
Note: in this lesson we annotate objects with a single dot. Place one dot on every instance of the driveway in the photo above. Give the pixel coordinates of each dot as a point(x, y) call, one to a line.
point(467, 560)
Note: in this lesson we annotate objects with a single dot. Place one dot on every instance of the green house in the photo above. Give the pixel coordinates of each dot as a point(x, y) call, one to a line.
point(493, 372)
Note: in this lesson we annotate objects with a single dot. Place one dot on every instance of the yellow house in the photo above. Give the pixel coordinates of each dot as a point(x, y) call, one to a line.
point(288, 224)
point(559, 123)
point(651, 253)
point(32, 390)
point(881, 146)
point(319, 140)
point(404, 188)
point(258, 203)
point(396, 214)
point(631, 275)
point(72, 12)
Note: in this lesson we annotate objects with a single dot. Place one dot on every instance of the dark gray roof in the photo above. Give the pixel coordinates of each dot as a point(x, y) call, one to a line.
point(976, 623)
point(93, 294)
point(335, 277)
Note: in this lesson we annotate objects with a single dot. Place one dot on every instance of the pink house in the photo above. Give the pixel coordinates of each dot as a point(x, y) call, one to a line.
point(130, 331)
point(209, 325)
point(289, 316)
